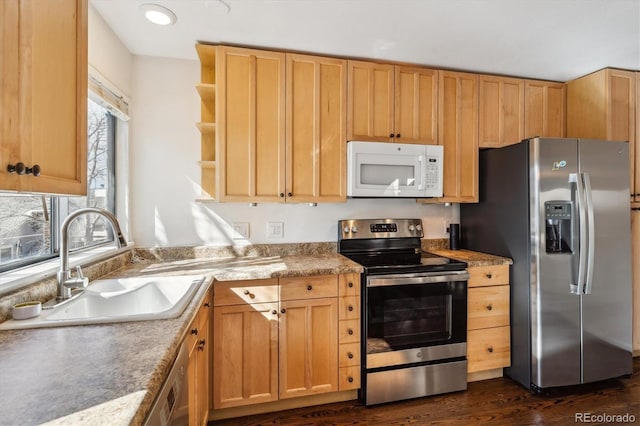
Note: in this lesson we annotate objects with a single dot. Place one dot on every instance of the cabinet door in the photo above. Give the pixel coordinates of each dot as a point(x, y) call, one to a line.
point(545, 109)
point(251, 124)
point(9, 89)
point(316, 129)
point(416, 105)
point(245, 354)
point(308, 347)
point(370, 101)
point(53, 94)
point(621, 105)
point(501, 111)
point(635, 244)
point(458, 133)
point(203, 351)
point(634, 150)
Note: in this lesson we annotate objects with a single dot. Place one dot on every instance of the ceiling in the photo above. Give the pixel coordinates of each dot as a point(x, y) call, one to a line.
point(546, 39)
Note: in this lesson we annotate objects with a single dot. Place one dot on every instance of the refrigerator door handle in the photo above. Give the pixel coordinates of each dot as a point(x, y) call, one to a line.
point(582, 218)
point(590, 233)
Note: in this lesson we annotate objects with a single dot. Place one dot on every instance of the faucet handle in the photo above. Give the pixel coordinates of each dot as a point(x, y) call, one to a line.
point(78, 282)
point(79, 271)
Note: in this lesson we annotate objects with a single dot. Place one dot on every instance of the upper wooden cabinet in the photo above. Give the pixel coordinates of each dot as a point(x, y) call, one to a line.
point(44, 95)
point(391, 103)
point(458, 133)
point(250, 124)
point(502, 115)
point(602, 105)
point(316, 129)
point(544, 109)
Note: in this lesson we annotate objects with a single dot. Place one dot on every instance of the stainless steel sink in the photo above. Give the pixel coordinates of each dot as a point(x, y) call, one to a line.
point(119, 300)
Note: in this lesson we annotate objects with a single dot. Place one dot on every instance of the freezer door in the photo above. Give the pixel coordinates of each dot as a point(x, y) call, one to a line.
point(606, 309)
point(555, 311)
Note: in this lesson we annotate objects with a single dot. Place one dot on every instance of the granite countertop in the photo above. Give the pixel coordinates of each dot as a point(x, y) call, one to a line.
point(110, 374)
point(472, 258)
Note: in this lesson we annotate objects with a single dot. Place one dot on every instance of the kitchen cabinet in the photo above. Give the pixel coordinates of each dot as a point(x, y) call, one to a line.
point(488, 329)
point(198, 342)
point(278, 339)
point(316, 156)
point(207, 126)
point(391, 103)
point(602, 105)
point(635, 265)
point(349, 331)
point(458, 133)
point(545, 109)
point(44, 96)
point(501, 111)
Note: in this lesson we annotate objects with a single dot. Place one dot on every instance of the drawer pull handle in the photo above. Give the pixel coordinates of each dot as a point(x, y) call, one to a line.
point(246, 292)
point(489, 275)
point(490, 349)
point(350, 379)
point(309, 287)
point(350, 332)
point(350, 355)
point(350, 285)
point(489, 307)
point(274, 312)
point(350, 308)
point(283, 311)
point(194, 331)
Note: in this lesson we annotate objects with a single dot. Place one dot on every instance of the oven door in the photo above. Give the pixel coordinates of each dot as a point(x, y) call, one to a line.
point(415, 318)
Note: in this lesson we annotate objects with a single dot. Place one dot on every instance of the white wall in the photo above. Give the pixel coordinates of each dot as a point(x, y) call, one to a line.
point(165, 177)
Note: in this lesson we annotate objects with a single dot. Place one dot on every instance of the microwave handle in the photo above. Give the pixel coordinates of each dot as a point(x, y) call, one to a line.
point(423, 172)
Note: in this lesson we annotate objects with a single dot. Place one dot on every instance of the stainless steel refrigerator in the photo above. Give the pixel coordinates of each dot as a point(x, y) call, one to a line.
point(560, 209)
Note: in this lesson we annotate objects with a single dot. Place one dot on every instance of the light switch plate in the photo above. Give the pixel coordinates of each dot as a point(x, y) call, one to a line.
point(275, 229)
point(240, 230)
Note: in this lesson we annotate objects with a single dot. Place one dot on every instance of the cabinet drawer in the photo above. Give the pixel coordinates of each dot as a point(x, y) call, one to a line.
point(308, 287)
point(349, 285)
point(247, 291)
point(349, 331)
point(349, 378)
point(488, 275)
point(349, 354)
point(349, 307)
point(488, 348)
point(488, 307)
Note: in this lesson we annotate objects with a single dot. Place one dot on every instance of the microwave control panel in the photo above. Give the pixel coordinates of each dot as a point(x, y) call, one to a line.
point(432, 173)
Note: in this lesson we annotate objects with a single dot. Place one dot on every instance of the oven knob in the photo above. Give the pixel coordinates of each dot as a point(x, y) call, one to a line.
point(346, 229)
point(412, 228)
point(354, 229)
point(418, 227)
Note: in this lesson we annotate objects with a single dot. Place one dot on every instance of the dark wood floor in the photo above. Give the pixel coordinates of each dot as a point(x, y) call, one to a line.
point(496, 401)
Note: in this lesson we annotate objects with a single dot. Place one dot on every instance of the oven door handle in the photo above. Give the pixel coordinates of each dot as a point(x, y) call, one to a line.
point(410, 279)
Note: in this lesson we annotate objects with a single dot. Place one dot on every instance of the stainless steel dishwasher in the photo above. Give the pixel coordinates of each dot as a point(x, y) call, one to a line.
point(171, 406)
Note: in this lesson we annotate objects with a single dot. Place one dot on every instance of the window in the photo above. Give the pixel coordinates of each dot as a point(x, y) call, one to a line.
point(29, 224)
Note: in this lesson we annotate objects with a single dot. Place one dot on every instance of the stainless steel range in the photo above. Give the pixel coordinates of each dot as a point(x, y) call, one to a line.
point(414, 311)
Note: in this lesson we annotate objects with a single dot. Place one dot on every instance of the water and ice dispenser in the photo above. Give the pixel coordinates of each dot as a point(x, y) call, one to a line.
point(559, 227)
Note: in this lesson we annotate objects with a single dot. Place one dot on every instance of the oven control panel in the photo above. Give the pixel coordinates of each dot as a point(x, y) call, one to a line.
point(379, 228)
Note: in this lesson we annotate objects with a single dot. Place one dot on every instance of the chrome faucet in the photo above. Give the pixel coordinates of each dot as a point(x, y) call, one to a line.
point(65, 281)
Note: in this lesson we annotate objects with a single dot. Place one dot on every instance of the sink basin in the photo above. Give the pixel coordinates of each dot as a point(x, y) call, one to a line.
point(119, 300)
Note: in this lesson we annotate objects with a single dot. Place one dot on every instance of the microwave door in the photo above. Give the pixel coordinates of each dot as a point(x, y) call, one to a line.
point(379, 175)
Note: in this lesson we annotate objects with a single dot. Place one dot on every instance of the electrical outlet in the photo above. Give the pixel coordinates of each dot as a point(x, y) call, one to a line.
point(240, 230)
point(275, 229)
point(447, 223)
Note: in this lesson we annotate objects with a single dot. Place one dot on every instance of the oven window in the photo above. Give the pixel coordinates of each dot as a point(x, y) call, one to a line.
point(387, 174)
point(415, 316)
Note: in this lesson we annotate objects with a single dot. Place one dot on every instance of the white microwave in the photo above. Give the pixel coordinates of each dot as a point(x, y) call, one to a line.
point(383, 169)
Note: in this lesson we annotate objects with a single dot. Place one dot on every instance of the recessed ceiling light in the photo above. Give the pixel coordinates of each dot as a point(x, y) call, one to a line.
point(159, 15)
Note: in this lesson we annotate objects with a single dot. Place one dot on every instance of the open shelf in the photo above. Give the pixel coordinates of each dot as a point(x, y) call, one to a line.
point(206, 128)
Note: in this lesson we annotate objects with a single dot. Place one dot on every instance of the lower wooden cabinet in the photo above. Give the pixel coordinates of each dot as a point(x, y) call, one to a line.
point(635, 264)
point(488, 330)
point(198, 369)
point(295, 342)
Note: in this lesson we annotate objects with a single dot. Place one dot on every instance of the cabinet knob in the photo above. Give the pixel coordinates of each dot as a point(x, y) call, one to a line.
point(350, 285)
point(309, 287)
point(274, 312)
point(397, 135)
point(194, 331)
point(246, 292)
point(201, 345)
point(35, 170)
point(350, 379)
point(206, 304)
point(350, 332)
point(390, 135)
point(282, 195)
point(289, 194)
point(490, 349)
point(489, 275)
point(489, 307)
point(283, 311)
point(350, 308)
point(18, 168)
point(350, 355)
